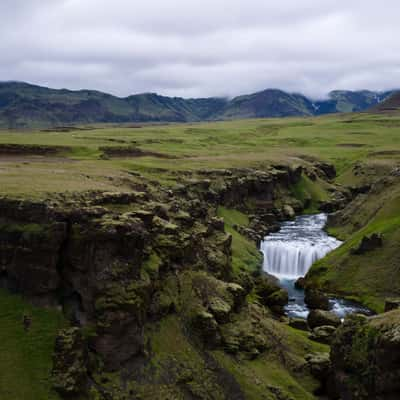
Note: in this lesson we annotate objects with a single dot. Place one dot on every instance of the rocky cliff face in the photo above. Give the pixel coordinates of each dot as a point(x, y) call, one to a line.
point(365, 358)
point(116, 262)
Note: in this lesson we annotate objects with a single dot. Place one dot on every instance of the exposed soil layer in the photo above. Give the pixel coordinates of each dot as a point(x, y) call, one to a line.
point(24, 149)
point(132, 152)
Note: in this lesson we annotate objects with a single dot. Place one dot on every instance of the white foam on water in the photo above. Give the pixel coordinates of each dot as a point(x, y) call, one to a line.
point(290, 252)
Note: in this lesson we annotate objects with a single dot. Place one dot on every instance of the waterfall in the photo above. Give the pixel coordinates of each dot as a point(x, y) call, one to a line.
point(289, 253)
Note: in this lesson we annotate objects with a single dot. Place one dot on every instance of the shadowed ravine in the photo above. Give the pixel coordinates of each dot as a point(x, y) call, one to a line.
point(289, 254)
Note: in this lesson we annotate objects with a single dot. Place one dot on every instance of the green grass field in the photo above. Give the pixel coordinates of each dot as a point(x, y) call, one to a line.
point(341, 139)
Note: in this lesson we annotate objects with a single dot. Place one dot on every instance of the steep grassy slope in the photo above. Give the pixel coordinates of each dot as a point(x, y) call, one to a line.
point(373, 276)
point(26, 357)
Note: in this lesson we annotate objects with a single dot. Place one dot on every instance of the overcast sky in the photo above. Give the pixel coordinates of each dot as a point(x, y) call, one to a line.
point(195, 48)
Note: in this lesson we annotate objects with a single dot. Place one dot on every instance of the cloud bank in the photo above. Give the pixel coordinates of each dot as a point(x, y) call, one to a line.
point(210, 48)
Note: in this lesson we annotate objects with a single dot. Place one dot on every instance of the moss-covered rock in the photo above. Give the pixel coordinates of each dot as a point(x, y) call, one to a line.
point(298, 323)
point(318, 318)
point(365, 357)
point(316, 299)
point(69, 375)
point(206, 326)
point(319, 364)
point(220, 309)
point(323, 334)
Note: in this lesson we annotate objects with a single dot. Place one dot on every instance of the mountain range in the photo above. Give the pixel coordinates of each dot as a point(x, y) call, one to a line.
point(23, 105)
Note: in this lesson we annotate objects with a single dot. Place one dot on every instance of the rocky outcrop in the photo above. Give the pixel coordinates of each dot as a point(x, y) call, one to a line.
point(104, 266)
point(323, 334)
point(368, 243)
point(365, 357)
point(392, 304)
point(271, 294)
point(318, 318)
point(69, 375)
point(298, 323)
point(319, 364)
point(315, 299)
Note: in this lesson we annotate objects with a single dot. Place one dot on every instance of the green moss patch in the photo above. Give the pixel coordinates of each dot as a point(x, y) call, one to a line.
point(245, 254)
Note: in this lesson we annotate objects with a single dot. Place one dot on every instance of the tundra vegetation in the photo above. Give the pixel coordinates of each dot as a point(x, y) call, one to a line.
point(133, 250)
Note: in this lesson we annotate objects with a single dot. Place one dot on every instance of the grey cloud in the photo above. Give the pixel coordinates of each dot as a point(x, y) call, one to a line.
point(208, 48)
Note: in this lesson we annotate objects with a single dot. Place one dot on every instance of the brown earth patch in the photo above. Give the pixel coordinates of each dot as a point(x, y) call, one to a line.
point(67, 129)
point(351, 145)
point(385, 153)
point(23, 149)
point(132, 152)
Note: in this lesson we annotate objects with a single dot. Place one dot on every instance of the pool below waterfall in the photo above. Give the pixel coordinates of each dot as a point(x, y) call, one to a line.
point(289, 254)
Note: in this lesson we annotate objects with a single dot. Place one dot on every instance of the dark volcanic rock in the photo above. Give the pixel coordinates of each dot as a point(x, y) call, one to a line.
point(298, 323)
point(323, 334)
point(369, 243)
point(326, 170)
point(271, 294)
point(315, 299)
point(365, 357)
point(69, 375)
point(392, 304)
point(207, 328)
point(300, 283)
point(319, 364)
point(318, 318)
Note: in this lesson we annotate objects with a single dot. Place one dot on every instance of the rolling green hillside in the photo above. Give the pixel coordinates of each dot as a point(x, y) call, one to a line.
point(269, 103)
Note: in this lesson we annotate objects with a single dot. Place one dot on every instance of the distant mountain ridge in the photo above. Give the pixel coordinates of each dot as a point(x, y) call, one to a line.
point(23, 105)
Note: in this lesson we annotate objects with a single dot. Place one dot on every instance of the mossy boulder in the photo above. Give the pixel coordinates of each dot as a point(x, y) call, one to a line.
point(245, 336)
point(323, 334)
point(277, 301)
point(238, 294)
point(318, 318)
point(298, 323)
point(319, 365)
point(270, 294)
point(220, 309)
point(315, 299)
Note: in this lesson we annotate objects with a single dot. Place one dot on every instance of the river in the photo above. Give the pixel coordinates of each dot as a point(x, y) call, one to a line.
point(289, 254)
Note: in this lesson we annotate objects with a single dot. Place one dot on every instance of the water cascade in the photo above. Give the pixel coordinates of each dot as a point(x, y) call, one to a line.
point(290, 252)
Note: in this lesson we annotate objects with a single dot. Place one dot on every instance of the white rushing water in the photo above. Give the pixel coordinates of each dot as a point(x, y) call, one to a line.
point(290, 252)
